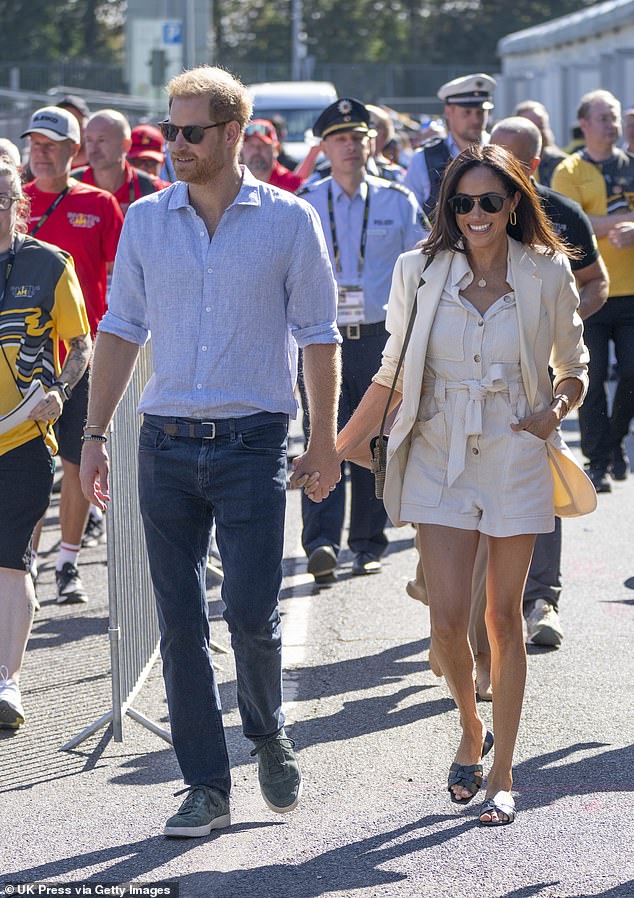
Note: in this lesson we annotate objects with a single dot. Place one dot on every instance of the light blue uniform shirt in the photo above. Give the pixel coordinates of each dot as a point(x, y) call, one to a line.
point(417, 176)
point(394, 226)
point(225, 315)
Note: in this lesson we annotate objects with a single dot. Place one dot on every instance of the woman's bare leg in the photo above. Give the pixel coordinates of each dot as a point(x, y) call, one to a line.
point(509, 560)
point(448, 556)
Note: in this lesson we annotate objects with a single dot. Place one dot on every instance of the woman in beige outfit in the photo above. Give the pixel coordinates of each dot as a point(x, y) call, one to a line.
point(467, 454)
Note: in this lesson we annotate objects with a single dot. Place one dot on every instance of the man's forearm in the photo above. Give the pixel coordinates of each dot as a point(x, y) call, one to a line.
point(79, 349)
point(603, 224)
point(322, 378)
point(112, 367)
point(593, 285)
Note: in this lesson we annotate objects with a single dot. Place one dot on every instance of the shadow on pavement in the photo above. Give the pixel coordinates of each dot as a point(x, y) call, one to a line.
point(129, 861)
point(58, 631)
point(393, 665)
point(541, 784)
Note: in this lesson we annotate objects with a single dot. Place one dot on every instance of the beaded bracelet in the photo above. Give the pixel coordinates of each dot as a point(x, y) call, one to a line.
point(97, 437)
point(566, 402)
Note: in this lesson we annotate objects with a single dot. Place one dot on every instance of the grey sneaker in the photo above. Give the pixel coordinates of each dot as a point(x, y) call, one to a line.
point(543, 625)
point(204, 809)
point(11, 711)
point(278, 773)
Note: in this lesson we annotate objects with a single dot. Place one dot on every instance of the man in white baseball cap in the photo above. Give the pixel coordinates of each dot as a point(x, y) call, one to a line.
point(467, 100)
point(54, 123)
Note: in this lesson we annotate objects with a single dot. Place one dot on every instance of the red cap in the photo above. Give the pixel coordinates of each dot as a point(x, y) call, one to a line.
point(147, 143)
point(262, 129)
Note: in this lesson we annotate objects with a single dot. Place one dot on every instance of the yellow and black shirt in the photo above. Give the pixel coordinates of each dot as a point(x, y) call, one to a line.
point(42, 304)
point(603, 188)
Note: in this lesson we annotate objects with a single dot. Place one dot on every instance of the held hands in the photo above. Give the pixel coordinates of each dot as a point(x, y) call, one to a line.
point(541, 424)
point(94, 471)
point(317, 472)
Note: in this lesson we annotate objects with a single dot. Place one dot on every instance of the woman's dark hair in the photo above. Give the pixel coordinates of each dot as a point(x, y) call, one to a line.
point(532, 228)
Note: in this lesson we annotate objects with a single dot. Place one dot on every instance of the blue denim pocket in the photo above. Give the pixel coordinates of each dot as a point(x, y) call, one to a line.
point(152, 437)
point(268, 438)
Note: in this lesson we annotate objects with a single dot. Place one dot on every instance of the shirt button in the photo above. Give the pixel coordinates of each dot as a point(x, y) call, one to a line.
point(477, 358)
point(202, 233)
point(480, 323)
point(208, 309)
point(475, 451)
point(204, 348)
point(199, 386)
point(508, 299)
point(209, 270)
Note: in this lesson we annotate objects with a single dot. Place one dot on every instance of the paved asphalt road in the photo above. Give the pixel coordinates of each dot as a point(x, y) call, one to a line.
point(376, 733)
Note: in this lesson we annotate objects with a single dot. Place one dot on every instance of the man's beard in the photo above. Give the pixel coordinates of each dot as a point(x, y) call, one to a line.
point(202, 171)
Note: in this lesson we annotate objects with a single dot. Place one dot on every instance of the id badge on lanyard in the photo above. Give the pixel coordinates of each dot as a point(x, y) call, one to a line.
point(350, 305)
point(350, 299)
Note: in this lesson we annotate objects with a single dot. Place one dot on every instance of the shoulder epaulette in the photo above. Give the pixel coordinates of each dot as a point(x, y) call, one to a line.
point(394, 185)
point(432, 142)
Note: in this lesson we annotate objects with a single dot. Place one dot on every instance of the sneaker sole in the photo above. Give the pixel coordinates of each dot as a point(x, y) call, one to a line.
point(10, 717)
point(72, 599)
point(548, 637)
point(195, 832)
point(288, 808)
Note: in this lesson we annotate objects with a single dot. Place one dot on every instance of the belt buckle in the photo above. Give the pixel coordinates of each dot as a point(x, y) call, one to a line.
point(213, 429)
point(353, 331)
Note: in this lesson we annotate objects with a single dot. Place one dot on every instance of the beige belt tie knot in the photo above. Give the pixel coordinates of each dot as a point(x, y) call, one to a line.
point(467, 419)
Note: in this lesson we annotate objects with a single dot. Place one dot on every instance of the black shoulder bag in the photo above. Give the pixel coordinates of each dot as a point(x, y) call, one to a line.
point(378, 444)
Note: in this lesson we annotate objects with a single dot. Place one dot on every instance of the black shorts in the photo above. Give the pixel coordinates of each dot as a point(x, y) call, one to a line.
point(70, 425)
point(26, 478)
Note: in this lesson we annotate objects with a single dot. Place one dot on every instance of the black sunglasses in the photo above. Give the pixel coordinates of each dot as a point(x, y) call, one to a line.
point(463, 203)
point(191, 133)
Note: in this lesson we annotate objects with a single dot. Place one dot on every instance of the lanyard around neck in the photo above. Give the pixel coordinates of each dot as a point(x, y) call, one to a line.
point(364, 231)
point(50, 210)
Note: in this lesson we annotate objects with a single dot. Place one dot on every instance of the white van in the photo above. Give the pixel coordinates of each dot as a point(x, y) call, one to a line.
point(300, 102)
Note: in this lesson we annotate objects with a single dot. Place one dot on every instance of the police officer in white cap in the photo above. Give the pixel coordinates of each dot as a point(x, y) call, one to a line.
point(368, 223)
point(467, 101)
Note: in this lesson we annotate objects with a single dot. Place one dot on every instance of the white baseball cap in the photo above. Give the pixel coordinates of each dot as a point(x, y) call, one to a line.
point(53, 122)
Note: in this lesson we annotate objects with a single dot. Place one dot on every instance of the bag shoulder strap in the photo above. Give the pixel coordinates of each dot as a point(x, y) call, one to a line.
point(406, 339)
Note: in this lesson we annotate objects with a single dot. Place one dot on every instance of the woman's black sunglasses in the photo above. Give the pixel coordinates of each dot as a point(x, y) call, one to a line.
point(191, 133)
point(463, 203)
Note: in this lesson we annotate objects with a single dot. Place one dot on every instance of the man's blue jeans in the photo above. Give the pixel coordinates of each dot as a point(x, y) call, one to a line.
point(238, 479)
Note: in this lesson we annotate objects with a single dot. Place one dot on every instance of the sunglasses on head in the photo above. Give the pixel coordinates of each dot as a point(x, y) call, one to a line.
point(191, 133)
point(463, 203)
point(254, 128)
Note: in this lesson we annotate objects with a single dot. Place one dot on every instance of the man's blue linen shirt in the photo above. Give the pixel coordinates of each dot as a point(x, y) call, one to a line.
point(225, 315)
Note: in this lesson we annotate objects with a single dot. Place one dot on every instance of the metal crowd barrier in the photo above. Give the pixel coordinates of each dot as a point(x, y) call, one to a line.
point(133, 625)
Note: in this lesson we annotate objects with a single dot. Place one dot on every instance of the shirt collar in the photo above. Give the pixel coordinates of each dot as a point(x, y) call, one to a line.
point(338, 191)
point(248, 195)
point(461, 274)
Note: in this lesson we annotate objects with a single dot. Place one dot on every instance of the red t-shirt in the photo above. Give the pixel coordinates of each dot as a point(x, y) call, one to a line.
point(282, 177)
point(137, 184)
point(87, 224)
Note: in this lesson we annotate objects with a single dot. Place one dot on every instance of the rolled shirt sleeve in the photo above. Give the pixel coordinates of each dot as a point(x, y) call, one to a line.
point(126, 316)
point(310, 285)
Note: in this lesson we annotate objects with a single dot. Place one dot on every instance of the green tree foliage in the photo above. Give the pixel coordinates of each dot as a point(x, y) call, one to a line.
point(426, 31)
point(51, 30)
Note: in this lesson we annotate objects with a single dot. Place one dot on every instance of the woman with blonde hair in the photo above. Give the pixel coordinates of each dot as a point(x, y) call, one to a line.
point(468, 455)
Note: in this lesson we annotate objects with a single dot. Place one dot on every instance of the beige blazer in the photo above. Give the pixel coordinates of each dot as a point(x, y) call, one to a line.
point(551, 332)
